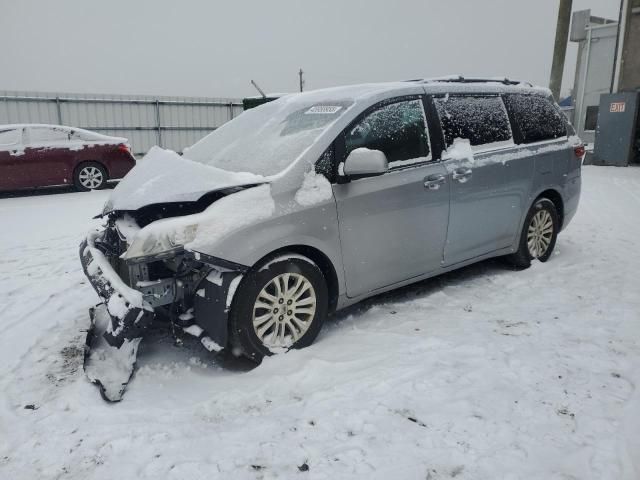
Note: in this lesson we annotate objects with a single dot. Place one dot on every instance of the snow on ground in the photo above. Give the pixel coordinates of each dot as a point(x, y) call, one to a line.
point(485, 373)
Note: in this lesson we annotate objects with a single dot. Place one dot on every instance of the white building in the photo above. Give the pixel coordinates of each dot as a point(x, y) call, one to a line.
point(596, 38)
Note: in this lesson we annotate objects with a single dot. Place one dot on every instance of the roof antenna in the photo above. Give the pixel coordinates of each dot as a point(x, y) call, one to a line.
point(259, 89)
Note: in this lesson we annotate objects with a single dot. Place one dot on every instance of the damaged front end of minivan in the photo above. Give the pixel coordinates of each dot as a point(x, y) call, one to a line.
point(138, 280)
point(146, 260)
point(193, 290)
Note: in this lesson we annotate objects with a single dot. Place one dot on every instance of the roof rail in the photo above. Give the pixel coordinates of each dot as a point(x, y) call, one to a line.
point(461, 79)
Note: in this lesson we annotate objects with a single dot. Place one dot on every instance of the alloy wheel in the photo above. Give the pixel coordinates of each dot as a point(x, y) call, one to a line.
point(540, 233)
point(284, 310)
point(90, 177)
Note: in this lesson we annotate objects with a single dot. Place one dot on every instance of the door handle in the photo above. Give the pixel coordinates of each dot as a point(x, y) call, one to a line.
point(462, 174)
point(433, 182)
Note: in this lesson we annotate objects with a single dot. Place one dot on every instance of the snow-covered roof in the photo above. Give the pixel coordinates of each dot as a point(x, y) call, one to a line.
point(94, 135)
point(268, 95)
point(451, 84)
point(46, 125)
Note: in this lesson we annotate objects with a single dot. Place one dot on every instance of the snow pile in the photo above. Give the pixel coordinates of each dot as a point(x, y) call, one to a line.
point(315, 189)
point(232, 213)
point(201, 231)
point(460, 150)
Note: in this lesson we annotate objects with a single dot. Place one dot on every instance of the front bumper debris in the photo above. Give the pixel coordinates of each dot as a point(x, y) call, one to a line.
point(129, 313)
point(193, 289)
point(107, 367)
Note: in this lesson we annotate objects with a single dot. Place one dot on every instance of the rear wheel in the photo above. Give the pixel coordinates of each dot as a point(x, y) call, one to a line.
point(539, 234)
point(279, 306)
point(90, 176)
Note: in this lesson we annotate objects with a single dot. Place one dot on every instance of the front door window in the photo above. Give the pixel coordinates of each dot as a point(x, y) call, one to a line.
point(399, 130)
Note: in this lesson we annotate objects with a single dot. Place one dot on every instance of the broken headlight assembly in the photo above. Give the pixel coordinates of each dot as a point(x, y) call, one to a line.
point(160, 241)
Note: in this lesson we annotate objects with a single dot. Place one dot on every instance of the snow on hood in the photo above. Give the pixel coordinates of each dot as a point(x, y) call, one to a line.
point(200, 231)
point(164, 176)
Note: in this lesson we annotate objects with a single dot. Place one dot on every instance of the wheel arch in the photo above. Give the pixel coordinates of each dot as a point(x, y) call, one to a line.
point(552, 194)
point(320, 259)
point(556, 198)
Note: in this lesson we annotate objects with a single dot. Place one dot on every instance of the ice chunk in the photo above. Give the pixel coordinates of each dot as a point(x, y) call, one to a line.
point(315, 189)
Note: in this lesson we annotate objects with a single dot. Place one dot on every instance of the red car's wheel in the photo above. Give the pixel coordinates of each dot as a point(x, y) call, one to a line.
point(90, 176)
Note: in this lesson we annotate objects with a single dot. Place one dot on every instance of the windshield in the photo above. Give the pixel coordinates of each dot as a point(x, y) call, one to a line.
point(267, 139)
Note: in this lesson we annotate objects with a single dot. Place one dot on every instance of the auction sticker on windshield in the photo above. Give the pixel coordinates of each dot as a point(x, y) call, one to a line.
point(326, 109)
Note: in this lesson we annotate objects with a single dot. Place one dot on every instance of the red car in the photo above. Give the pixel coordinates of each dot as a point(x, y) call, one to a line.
point(34, 156)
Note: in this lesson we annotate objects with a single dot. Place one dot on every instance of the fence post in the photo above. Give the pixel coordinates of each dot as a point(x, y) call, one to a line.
point(59, 110)
point(230, 110)
point(158, 126)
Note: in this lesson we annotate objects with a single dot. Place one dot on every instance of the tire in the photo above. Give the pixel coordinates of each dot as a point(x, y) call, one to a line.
point(539, 234)
point(90, 176)
point(274, 330)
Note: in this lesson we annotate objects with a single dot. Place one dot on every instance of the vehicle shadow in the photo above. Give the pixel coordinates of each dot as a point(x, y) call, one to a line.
point(163, 344)
point(424, 288)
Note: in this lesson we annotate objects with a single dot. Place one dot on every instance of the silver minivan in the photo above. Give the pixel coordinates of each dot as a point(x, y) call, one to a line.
point(315, 201)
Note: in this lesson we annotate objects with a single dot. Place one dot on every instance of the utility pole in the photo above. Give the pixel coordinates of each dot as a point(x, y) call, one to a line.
point(300, 73)
point(560, 47)
point(623, 19)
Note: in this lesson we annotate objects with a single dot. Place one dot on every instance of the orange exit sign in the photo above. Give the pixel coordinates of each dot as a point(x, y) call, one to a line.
point(617, 107)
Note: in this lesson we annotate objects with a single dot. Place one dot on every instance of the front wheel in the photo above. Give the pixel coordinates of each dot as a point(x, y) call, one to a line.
point(278, 306)
point(539, 234)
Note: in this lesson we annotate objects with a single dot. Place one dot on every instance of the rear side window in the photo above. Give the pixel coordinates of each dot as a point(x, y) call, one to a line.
point(83, 136)
point(536, 117)
point(9, 137)
point(481, 120)
point(45, 135)
point(397, 129)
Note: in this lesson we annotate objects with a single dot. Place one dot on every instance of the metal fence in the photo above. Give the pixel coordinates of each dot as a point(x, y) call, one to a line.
point(171, 122)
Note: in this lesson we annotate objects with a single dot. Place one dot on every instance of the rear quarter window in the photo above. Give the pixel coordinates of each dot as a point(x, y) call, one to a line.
point(39, 135)
point(483, 120)
point(536, 117)
point(84, 136)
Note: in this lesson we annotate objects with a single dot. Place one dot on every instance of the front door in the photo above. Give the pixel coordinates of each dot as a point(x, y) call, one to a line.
point(393, 226)
point(12, 175)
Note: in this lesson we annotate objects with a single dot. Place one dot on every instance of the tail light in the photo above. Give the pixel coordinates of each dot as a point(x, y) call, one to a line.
point(124, 148)
point(579, 151)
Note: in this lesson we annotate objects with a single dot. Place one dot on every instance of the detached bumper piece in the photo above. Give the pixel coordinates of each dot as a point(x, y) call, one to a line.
point(109, 368)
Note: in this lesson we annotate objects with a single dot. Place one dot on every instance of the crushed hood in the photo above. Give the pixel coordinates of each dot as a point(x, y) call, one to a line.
point(163, 176)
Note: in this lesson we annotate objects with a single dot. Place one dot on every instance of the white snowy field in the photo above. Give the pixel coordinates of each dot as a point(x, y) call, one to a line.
point(485, 373)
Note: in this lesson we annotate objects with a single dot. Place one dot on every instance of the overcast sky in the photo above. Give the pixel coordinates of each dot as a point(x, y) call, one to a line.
point(207, 48)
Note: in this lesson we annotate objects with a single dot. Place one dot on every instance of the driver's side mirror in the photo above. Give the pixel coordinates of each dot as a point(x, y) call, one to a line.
point(363, 162)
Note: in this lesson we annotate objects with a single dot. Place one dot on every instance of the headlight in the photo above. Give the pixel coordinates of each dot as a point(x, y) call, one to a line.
point(152, 242)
